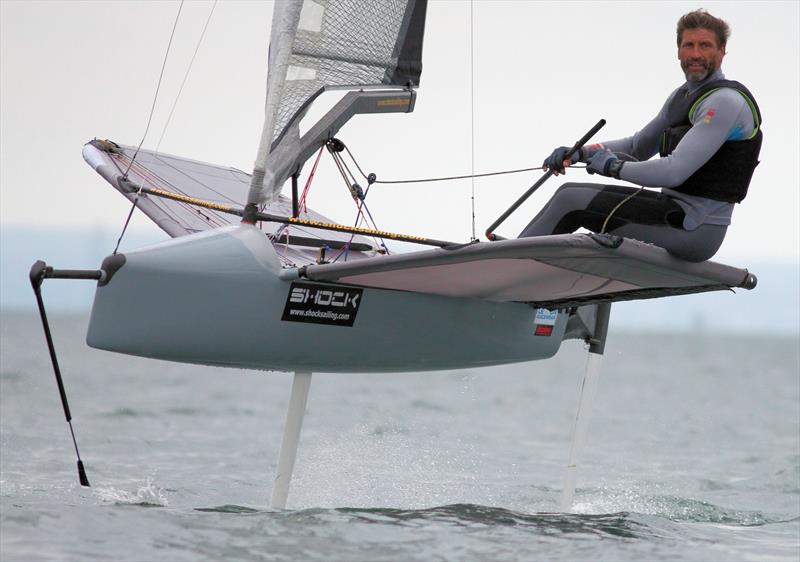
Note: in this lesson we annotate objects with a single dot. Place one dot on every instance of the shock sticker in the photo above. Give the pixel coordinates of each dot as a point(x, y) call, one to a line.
point(544, 321)
point(322, 304)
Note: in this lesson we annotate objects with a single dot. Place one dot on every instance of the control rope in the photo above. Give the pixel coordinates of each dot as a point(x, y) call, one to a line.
point(147, 128)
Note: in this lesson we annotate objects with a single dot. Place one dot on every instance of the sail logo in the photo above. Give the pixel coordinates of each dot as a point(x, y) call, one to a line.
point(322, 304)
point(324, 297)
point(392, 102)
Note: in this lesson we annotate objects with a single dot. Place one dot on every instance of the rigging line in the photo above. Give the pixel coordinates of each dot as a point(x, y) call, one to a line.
point(306, 189)
point(151, 176)
point(464, 177)
point(342, 166)
point(358, 202)
point(155, 179)
point(310, 223)
point(487, 174)
point(180, 171)
point(616, 208)
point(345, 251)
point(351, 177)
point(351, 183)
point(147, 128)
point(446, 178)
point(186, 76)
point(168, 164)
point(158, 86)
point(628, 198)
point(361, 204)
point(279, 231)
point(125, 226)
point(375, 227)
point(472, 109)
point(367, 218)
point(360, 171)
point(210, 218)
point(362, 218)
point(336, 160)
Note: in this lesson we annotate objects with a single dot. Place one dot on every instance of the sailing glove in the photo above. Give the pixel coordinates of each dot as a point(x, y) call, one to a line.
point(555, 161)
point(605, 163)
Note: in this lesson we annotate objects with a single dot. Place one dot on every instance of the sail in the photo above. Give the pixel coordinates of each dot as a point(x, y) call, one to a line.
point(330, 44)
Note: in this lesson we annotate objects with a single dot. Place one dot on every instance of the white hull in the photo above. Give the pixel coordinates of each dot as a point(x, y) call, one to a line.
point(216, 298)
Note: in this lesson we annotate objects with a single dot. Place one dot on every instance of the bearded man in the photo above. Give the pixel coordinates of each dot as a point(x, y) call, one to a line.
point(708, 136)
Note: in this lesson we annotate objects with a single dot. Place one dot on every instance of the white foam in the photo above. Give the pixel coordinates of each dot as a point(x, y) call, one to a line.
point(148, 494)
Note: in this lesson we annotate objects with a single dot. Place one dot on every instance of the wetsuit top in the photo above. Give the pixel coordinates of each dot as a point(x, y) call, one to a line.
point(722, 116)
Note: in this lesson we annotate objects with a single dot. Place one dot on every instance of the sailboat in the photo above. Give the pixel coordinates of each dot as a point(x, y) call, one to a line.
point(253, 279)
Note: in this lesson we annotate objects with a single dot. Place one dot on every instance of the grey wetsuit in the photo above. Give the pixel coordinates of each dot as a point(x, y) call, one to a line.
point(687, 226)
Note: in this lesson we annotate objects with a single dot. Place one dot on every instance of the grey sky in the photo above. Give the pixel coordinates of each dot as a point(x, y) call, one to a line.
point(545, 72)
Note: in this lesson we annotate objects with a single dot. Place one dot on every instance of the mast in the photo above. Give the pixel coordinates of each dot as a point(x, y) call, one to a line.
point(338, 45)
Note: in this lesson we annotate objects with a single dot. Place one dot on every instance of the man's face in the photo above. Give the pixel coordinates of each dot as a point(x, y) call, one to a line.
point(699, 53)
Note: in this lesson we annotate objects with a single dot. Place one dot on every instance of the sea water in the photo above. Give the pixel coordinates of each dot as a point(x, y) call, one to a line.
point(693, 453)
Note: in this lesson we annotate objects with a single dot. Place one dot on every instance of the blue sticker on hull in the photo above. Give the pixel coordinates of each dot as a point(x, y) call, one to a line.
point(546, 317)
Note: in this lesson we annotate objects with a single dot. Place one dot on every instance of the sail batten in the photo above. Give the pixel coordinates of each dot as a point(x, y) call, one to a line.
point(318, 45)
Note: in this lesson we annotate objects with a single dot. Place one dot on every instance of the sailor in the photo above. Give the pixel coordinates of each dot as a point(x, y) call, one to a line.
point(708, 137)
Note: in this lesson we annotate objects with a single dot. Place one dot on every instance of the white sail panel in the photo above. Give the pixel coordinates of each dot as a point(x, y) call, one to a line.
point(285, 19)
point(297, 245)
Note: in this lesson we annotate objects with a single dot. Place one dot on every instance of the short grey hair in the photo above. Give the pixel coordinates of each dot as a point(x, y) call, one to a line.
point(701, 19)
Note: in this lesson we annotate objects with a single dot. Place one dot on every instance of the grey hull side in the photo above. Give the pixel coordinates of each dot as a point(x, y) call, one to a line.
point(215, 298)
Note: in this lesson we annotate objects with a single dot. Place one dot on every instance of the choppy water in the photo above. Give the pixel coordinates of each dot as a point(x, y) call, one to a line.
point(693, 454)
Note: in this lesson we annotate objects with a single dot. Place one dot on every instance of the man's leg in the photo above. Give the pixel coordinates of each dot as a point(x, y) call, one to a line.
point(647, 216)
point(690, 245)
point(588, 205)
point(568, 199)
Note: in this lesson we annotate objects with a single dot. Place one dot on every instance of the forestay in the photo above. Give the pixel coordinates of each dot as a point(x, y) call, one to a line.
point(317, 45)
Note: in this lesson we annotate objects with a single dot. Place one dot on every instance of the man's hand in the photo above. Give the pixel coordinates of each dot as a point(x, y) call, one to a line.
point(557, 160)
point(605, 163)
